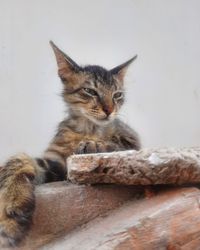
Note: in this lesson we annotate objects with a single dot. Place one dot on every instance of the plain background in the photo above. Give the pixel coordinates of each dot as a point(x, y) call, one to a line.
point(163, 85)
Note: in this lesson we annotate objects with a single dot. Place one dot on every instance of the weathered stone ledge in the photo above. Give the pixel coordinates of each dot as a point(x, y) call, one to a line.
point(62, 207)
point(144, 167)
point(168, 221)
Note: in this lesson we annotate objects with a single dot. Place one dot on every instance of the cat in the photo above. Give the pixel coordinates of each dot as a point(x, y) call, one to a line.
point(94, 96)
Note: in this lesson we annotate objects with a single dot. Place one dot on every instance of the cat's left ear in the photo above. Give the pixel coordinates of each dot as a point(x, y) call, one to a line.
point(66, 66)
point(120, 70)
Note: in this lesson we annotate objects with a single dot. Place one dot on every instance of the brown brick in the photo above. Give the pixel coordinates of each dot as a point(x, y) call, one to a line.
point(168, 221)
point(62, 207)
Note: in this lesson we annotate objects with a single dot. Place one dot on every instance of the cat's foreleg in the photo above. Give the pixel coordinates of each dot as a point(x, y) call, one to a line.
point(17, 201)
point(127, 141)
point(125, 137)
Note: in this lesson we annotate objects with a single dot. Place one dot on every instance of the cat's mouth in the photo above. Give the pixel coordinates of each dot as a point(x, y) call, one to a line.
point(99, 119)
point(102, 119)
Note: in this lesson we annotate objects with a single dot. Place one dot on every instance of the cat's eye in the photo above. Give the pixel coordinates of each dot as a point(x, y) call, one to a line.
point(118, 95)
point(91, 92)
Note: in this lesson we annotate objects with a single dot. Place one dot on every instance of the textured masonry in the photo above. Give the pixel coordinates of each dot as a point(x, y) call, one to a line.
point(144, 167)
point(61, 207)
point(121, 217)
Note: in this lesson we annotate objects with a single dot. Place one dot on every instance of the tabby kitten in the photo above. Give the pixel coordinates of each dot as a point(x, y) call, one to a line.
point(94, 96)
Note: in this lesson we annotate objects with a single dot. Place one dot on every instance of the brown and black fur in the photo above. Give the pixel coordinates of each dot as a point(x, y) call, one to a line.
point(93, 95)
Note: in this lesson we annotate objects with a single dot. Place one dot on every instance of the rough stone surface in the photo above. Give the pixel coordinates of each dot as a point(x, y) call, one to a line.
point(105, 217)
point(61, 207)
point(144, 167)
point(168, 221)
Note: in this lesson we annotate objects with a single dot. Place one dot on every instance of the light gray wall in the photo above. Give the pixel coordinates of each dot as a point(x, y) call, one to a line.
point(163, 86)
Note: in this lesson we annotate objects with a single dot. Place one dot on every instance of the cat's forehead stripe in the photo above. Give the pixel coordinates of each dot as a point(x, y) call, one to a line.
point(92, 83)
point(99, 74)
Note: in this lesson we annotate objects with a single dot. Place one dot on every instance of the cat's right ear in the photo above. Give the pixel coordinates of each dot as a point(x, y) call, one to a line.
point(66, 66)
point(120, 71)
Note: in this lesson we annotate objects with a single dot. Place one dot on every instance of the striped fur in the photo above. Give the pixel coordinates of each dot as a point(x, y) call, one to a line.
point(93, 95)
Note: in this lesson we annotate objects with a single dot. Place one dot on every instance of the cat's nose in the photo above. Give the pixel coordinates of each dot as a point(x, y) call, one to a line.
point(108, 110)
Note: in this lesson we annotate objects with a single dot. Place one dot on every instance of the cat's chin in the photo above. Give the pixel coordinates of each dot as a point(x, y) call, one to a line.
point(100, 122)
point(103, 122)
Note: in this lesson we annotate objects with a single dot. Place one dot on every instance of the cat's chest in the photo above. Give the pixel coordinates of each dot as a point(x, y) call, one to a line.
point(91, 130)
point(104, 132)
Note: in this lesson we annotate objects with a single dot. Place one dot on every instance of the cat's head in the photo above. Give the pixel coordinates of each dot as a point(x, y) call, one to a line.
point(91, 91)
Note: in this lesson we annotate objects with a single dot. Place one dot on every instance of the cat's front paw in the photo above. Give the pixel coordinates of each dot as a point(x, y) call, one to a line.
point(90, 146)
point(17, 201)
point(87, 147)
point(15, 221)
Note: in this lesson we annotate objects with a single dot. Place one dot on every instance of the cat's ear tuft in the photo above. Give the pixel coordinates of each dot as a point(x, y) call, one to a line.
point(66, 66)
point(120, 70)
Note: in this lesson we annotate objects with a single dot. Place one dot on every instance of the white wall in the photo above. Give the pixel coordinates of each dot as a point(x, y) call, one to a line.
point(163, 87)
